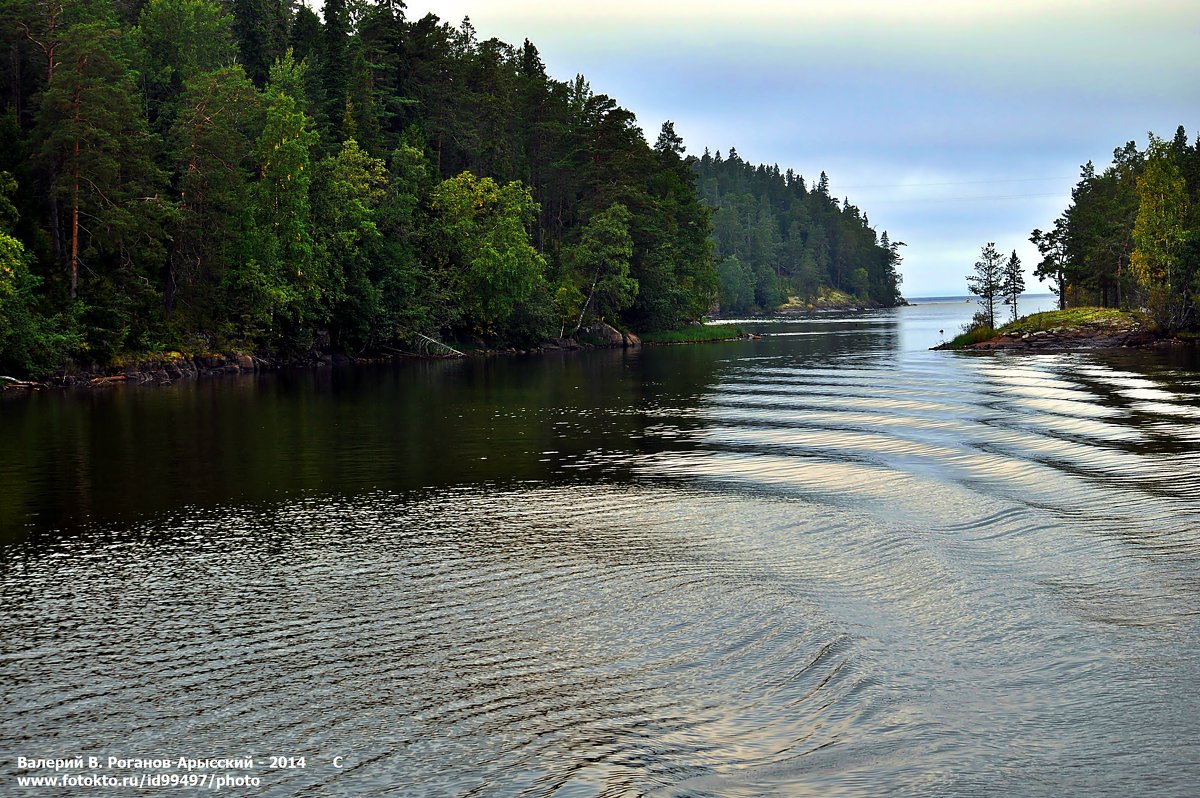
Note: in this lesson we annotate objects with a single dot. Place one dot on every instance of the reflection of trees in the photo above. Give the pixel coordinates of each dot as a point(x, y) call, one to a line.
point(139, 452)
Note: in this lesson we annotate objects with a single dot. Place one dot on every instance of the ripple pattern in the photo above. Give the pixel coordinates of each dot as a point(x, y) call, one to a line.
point(868, 574)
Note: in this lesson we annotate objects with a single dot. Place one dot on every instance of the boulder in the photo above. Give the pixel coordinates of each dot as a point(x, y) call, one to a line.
point(632, 340)
point(606, 333)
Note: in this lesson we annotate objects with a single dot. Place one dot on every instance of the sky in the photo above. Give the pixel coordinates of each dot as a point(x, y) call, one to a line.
point(950, 124)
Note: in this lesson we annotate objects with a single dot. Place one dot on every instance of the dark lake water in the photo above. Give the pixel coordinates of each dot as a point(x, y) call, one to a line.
point(829, 562)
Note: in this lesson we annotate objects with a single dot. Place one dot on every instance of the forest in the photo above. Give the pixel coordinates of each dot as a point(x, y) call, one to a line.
point(1130, 238)
point(197, 176)
point(777, 239)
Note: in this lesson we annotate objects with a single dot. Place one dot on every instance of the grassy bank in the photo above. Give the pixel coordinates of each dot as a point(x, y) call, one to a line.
point(1069, 322)
point(826, 299)
point(695, 335)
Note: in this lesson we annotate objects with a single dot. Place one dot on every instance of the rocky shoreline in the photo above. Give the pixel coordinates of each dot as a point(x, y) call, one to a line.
point(1065, 341)
point(175, 366)
point(1071, 339)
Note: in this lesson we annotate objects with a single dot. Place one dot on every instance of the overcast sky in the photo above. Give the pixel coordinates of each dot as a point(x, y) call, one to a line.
point(950, 124)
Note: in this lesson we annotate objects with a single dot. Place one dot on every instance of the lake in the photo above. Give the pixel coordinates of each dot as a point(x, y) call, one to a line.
point(827, 562)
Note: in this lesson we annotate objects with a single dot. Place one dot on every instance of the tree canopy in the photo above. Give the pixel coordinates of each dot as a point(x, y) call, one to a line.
point(1131, 235)
point(791, 240)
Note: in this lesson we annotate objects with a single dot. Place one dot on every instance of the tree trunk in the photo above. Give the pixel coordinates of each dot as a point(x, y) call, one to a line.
point(583, 310)
point(75, 203)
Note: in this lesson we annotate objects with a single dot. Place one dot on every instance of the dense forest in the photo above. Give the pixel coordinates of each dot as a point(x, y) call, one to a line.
point(1131, 236)
point(777, 239)
point(245, 175)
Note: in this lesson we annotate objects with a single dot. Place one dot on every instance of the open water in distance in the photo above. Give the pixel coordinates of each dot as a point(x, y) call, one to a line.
point(825, 562)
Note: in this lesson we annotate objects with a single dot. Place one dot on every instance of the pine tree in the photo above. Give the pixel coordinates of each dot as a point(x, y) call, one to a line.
point(98, 148)
point(987, 282)
point(211, 144)
point(1053, 266)
point(260, 28)
point(335, 69)
point(1013, 282)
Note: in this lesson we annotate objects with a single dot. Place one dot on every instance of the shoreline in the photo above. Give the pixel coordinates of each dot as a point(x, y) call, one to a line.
point(1071, 330)
point(173, 367)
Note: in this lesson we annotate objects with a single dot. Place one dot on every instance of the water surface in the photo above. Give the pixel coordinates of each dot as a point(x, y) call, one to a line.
point(826, 562)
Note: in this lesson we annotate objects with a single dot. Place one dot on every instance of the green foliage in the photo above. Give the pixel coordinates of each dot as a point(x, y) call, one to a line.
point(859, 284)
point(96, 145)
point(488, 254)
point(737, 286)
point(260, 30)
point(30, 342)
point(1158, 231)
point(212, 147)
point(283, 283)
point(413, 300)
point(8, 212)
point(1090, 319)
point(1129, 237)
point(603, 253)
point(348, 190)
point(107, 194)
point(178, 40)
point(793, 240)
point(1053, 266)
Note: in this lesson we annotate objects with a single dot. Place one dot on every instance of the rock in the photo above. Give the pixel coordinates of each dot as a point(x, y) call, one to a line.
point(607, 334)
point(632, 341)
point(245, 362)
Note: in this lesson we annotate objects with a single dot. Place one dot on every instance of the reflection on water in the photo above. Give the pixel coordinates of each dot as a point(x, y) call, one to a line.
point(826, 562)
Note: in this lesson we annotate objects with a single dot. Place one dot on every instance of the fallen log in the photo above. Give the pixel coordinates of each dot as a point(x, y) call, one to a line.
point(13, 382)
